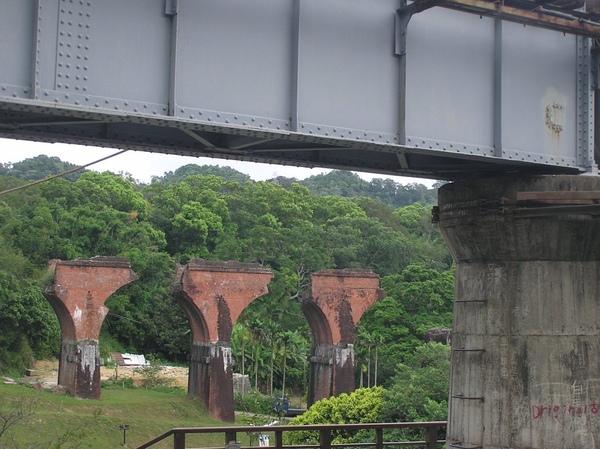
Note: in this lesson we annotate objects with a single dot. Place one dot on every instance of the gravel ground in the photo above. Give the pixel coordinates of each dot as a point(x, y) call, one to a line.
point(46, 371)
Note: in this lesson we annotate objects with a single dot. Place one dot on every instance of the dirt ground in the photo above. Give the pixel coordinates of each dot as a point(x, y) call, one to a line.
point(46, 371)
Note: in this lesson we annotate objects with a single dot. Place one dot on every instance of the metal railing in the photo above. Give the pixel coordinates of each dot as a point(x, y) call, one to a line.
point(325, 431)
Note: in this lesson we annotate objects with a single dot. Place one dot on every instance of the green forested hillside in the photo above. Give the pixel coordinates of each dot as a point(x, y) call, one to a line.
point(40, 167)
point(293, 228)
point(350, 185)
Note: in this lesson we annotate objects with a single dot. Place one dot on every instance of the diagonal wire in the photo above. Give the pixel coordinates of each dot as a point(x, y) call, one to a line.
point(49, 178)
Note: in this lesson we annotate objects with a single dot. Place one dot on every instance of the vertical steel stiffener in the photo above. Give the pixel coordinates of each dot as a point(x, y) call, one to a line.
point(380, 86)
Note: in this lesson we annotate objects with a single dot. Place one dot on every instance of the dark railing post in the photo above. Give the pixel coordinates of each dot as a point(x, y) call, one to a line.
point(326, 433)
point(278, 440)
point(230, 436)
point(379, 439)
point(431, 437)
point(179, 440)
point(325, 438)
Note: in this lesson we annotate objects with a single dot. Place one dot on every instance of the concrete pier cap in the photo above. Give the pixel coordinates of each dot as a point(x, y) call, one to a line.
point(336, 301)
point(526, 346)
point(79, 290)
point(213, 295)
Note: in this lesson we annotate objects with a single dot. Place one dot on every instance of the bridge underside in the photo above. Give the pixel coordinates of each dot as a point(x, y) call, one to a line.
point(192, 139)
point(383, 86)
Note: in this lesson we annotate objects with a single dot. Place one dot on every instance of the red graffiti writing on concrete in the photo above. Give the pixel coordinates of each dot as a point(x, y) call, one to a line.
point(557, 411)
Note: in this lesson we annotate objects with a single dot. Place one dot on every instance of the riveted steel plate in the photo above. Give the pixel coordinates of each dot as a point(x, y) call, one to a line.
point(449, 71)
point(305, 82)
point(540, 90)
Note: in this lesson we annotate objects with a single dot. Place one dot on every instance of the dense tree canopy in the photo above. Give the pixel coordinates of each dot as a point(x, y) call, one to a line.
point(39, 167)
point(349, 185)
point(183, 172)
point(294, 228)
point(419, 389)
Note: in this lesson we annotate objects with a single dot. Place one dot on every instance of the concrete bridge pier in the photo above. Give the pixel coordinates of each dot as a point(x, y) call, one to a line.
point(213, 294)
point(336, 302)
point(77, 295)
point(526, 346)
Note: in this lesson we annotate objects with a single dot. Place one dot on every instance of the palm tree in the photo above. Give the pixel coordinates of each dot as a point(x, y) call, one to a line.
point(259, 336)
point(365, 339)
point(283, 342)
point(293, 351)
point(244, 335)
point(238, 338)
point(378, 342)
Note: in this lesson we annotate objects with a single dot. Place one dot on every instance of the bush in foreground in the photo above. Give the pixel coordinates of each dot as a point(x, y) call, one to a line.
point(362, 406)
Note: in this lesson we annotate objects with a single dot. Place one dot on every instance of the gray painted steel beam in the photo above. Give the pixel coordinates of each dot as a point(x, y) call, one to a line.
point(358, 85)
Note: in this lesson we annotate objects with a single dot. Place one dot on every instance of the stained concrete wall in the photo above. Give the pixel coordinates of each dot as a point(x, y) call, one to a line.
point(77, 295)
point(337, 300)
point(213, 294)
point(526, 339)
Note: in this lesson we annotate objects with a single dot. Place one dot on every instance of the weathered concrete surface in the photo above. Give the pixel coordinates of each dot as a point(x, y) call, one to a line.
point(77, 295)
point(213, 294)
point(336, 302)
point(526, 347)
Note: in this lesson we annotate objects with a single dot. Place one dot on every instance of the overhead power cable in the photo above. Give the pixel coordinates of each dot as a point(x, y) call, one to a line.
point(49, 178)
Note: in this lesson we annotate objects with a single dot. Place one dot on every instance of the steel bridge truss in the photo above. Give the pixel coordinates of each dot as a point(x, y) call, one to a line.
point(381, 86)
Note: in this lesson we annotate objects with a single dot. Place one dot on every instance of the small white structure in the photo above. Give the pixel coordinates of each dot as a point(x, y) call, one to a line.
point(129, 359)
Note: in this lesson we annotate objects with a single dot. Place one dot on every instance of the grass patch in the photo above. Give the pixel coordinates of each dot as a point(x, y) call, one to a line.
point(95, 423)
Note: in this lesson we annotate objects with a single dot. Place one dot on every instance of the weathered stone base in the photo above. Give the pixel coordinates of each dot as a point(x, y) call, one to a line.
point(79, 368)
point(211, 378)
point(331, 371)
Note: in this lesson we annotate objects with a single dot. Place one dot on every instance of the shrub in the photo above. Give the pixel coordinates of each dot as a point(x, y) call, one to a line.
point(253, 402)
point(125, 382)
point(151, 375)
point(362, 406)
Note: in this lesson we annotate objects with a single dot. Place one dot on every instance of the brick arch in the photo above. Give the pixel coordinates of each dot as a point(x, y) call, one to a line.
point(336, 301)
point(79, 290)
point(318, 323)
point(195, 318)
point(213, 295)
point(67, 325)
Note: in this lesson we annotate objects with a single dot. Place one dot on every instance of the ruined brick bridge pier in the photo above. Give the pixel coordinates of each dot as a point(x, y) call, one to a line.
point(337, 300)
point(77, 295)
point(213, 295)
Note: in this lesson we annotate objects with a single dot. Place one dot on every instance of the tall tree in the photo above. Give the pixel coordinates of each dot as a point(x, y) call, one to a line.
point(227, 173)
point(419, 390)
point(40, 167)
point(418, 299)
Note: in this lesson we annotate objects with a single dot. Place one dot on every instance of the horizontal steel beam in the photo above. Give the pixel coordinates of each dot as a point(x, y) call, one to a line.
point(540, 16)
point(313, 83)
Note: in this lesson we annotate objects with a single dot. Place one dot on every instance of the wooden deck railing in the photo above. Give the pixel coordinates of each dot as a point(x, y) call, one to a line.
point(430, 440)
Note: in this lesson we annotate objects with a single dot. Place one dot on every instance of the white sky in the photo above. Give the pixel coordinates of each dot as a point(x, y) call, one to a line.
point(143, 165)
